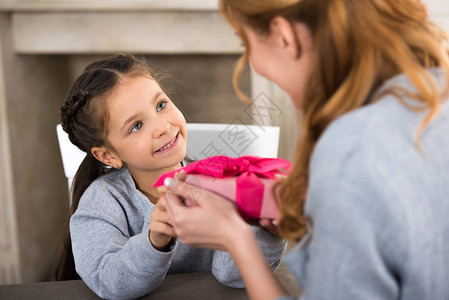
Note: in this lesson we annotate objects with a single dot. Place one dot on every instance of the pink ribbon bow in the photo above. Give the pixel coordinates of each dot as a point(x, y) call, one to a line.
point(247, 169)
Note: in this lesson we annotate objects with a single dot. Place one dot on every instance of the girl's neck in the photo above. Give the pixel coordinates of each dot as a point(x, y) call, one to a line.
point(145, 181)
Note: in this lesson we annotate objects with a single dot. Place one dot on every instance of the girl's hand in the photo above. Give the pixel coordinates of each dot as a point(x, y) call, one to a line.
point(161, 230)
point(211, 222)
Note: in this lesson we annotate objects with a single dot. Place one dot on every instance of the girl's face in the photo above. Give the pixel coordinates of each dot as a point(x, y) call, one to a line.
point(284, 56)
point(146, 130)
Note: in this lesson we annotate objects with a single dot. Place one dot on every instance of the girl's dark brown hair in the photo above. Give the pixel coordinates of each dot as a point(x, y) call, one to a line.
point(84, 117)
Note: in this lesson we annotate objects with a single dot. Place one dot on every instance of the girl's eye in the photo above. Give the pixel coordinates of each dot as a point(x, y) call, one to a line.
point(161, 105)
point(136, 126)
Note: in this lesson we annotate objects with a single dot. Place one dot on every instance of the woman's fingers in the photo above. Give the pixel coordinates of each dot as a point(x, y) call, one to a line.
point(280, 176)
point(271, 225)
point(180, 176)
point(172, 183)
point(189, 194)
point(160, 204)
point(173, 205)
point(162, 190)
point(211, 223)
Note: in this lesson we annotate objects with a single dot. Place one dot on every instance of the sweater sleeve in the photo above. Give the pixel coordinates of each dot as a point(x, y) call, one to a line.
point(111, 262)
point(225, 270)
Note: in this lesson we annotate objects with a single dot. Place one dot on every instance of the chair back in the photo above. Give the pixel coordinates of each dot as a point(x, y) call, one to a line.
point(71, 155)
point(233, 140)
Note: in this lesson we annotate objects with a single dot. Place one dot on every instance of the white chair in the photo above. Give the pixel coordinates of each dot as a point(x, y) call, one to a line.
point(203, 140)
point(233, 140)
point(71, 155)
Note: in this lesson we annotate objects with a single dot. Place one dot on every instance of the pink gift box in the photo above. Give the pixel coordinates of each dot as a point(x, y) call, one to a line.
point(246, 180)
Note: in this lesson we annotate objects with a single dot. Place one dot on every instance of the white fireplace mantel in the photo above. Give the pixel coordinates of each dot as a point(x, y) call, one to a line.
point(156, 27)
point(107, 5)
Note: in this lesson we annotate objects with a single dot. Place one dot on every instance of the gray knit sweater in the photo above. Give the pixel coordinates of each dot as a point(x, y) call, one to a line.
point(379, 206)
point(113, 254)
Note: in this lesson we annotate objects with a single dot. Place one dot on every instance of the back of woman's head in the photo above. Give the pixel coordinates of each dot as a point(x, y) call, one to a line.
point(359, 44)
point(354, 39)
point(84, 117)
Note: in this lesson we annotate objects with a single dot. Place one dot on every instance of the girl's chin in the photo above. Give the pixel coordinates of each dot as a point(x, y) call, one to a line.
point(176, 162)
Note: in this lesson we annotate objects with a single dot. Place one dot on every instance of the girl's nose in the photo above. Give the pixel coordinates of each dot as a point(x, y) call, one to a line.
point(160, 127)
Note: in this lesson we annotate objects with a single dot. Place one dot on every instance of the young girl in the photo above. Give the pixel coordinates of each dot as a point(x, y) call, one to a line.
point(368, 195)
point(122, 240)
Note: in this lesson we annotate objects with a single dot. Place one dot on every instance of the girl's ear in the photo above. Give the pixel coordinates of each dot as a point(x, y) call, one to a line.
point(107, 157)
point(285, 36)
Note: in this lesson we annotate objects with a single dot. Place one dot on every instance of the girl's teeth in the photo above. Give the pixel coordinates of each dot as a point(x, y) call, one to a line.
point(171, 143)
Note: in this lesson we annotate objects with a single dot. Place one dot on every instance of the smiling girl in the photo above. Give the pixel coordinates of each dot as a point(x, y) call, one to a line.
point(122, 241)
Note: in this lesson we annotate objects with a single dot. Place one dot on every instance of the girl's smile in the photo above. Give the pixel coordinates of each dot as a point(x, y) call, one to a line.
point(169, 146)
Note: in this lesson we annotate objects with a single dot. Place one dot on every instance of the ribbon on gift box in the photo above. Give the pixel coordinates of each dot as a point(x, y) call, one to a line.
point(248, 170)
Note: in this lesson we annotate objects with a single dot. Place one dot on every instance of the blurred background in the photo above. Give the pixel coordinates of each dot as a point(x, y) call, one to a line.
point(45, 44)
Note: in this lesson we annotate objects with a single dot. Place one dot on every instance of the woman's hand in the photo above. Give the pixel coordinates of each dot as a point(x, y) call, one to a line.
point(210, 221)
point(161, 230)
point(271, 225)
point(202, 218)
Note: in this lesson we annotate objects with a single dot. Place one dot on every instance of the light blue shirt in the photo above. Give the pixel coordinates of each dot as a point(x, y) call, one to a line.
point(379, 208)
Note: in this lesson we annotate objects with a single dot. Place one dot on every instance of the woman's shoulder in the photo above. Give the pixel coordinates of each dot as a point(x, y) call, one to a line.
point(360, 132)
point(384, 123)
point(373, 150)
point(367, 147)
point(352, 164)
point(380, 131)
